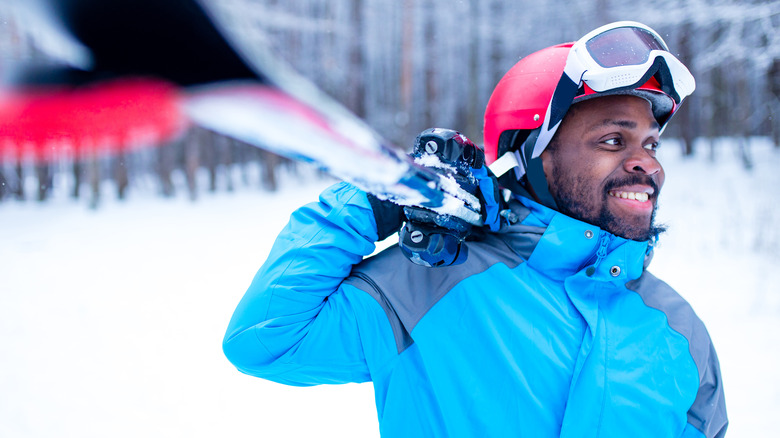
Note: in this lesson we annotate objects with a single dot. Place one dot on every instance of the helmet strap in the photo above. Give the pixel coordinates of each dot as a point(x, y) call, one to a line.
point(535, 179)
point(528, 178)
point(536, 183)
point(505, 163)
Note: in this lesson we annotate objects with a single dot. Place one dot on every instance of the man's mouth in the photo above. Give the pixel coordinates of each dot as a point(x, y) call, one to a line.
point(641, 196)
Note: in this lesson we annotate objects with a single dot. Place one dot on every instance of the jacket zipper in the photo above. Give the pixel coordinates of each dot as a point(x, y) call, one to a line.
point(601, 253)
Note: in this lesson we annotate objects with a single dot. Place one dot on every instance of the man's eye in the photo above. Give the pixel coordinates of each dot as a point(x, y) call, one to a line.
point(652, 146)
point(613, 141)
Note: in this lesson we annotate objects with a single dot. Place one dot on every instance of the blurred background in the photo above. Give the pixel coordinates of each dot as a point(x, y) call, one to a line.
point(119, 273)
point(407, 65)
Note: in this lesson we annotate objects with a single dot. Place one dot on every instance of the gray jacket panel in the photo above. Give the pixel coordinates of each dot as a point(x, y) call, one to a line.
point(708, 412)
point(408, 291)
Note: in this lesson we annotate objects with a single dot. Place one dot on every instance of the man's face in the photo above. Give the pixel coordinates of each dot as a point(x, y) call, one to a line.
point(601, 166)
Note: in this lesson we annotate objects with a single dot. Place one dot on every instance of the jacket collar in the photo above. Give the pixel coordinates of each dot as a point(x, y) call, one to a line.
point(563, 246)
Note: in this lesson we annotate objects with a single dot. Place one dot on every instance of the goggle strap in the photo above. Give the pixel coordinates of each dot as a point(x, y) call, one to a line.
point(559, 104)
point(561, 100)
point(529, 147)
point(665, 79)
point(545, 135)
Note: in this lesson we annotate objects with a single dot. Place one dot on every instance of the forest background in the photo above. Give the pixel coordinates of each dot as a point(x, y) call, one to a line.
point(407, 65)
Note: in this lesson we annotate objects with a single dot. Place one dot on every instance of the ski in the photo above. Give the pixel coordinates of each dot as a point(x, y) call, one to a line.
point(340, 145)
point(225, 83)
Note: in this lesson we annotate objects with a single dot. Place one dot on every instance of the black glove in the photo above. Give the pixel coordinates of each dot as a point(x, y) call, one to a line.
point(389, 216)
point(429, 238)
point(432, 239)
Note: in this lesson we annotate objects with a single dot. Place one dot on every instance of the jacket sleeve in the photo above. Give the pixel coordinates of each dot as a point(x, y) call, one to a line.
point(296, 324)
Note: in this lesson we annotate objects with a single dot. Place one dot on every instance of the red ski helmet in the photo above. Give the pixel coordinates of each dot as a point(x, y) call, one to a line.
point(521, 98)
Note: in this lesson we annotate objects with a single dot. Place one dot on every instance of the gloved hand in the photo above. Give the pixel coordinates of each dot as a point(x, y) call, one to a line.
point(388, 216)
point(489, 196)
point(432, 239)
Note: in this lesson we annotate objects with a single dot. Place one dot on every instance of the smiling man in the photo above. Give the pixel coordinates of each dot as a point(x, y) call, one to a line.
point(601, 166)
point(552, 326)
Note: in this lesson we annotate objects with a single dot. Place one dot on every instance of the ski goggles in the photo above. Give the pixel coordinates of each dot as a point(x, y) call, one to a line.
point(619, 56)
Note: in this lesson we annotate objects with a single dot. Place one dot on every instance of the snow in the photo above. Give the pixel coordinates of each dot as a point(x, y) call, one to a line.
point(111, 320)
point(463, 205)
point(433, 160)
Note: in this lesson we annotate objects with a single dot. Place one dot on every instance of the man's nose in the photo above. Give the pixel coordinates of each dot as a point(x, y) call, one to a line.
point(641, 160)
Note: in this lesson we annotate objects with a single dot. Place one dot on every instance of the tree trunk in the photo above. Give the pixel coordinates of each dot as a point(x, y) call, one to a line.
point(743, 119)
point(77, 170)
point(775, 116)
point(165, 165)
point(121, 177)
point(269, 162)
point(43, 173)
point(774, 101)
point(224, 152)
point(192, 161)
point(94, 182)
point(474, 110)
point(684, 120)
point(357, 89)
point(4, 186)
point(208, 148)
point(19, 189)
point(247, 154)
point(407, 62)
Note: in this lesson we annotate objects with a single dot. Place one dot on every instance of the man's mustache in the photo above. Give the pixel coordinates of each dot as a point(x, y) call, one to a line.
point(633, 179)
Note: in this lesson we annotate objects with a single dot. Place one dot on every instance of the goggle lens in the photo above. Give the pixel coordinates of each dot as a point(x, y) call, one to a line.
point(623, 46)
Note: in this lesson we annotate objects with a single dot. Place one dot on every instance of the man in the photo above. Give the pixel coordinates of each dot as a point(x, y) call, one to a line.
point(552, 326)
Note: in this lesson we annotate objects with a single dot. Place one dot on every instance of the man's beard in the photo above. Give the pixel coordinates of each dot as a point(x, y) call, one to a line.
point(570, 202)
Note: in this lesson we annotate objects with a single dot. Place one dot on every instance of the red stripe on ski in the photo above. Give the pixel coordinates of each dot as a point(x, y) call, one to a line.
point(104, 117)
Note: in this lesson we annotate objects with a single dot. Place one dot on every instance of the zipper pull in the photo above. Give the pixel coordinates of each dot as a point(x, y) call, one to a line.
point(601, 254)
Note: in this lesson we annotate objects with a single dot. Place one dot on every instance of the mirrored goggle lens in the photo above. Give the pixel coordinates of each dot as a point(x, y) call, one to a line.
point(623, 46)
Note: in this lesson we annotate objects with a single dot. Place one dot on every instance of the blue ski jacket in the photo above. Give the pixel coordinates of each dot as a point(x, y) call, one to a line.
point(551, 328)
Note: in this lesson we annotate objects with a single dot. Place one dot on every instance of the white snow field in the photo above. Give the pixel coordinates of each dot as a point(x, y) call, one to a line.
point(111, 320)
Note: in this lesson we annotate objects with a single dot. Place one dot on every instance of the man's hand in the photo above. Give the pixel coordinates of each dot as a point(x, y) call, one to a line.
point(432, 239)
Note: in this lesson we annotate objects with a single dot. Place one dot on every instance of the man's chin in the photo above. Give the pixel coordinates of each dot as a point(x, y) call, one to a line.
point(638, 233)
point(638, 228)
point(649, 233)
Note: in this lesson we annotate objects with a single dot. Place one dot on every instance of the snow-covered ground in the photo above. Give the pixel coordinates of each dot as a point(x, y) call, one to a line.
point(111, 320)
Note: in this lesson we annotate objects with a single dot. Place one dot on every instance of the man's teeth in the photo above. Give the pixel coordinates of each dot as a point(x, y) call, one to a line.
point(636, 196)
